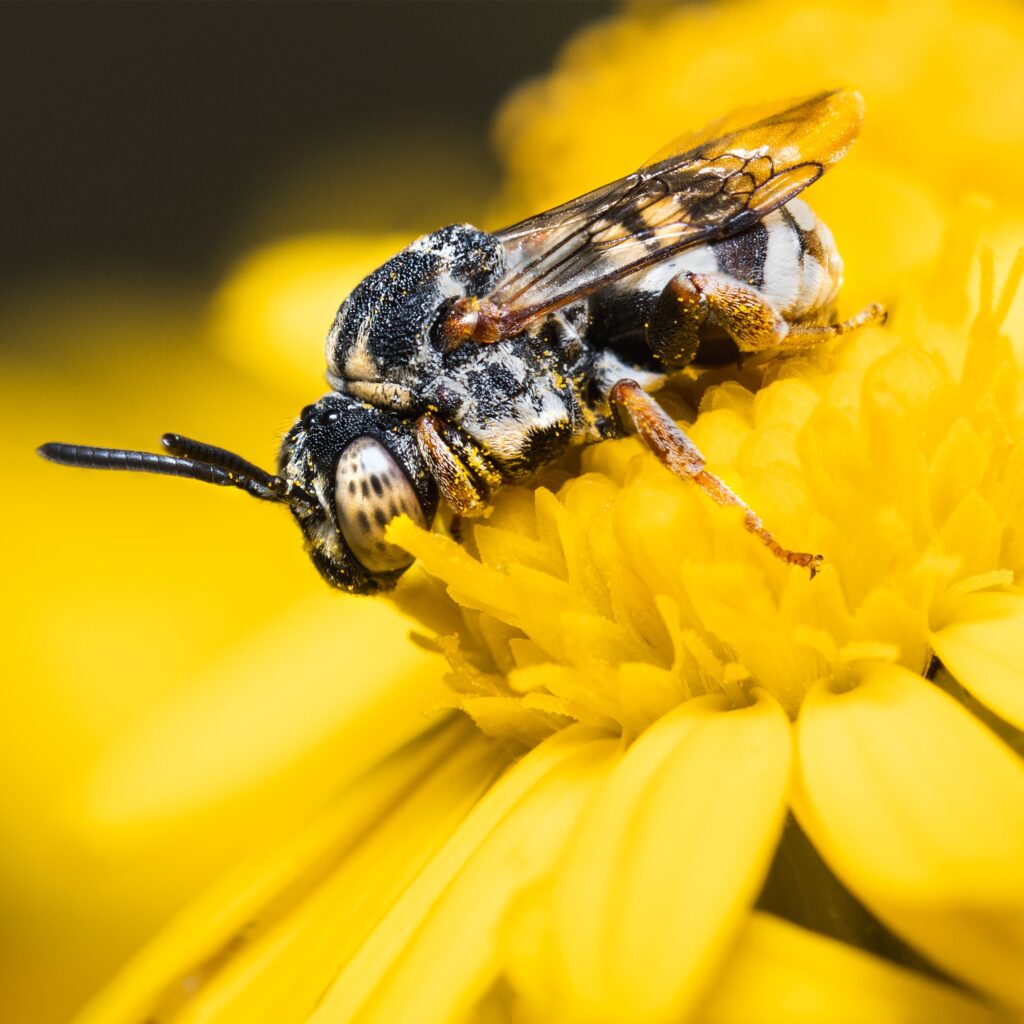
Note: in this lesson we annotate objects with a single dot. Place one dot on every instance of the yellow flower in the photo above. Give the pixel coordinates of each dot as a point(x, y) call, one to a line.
point(601, 834)
point(623, 602)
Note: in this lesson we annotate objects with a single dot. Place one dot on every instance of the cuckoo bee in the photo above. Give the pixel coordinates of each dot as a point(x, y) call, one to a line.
point(470, 359)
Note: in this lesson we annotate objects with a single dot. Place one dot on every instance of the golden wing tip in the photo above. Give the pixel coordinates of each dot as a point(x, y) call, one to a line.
point(850, 100)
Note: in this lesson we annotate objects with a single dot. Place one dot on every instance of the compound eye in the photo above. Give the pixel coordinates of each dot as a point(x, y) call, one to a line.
point(371, 489)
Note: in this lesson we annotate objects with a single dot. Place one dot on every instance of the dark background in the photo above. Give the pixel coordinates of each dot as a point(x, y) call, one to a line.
point(137, 132)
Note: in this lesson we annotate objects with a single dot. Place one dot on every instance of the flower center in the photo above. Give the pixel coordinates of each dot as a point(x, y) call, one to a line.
point(623, 592)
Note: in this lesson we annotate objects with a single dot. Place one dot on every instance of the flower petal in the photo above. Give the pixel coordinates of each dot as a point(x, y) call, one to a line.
point(778, 972)
point(662, 867)
point(268, 317)
point(454, 905)
point(267, 719)
point(920, 810)
point(282, 974)
point(204, 959)
point(982, 644)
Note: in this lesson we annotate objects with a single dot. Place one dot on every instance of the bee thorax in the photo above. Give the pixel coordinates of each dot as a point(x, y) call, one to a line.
point(387, 330)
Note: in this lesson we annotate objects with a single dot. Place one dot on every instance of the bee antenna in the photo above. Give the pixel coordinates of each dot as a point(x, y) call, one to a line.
point(200, 451)
point(230, 471)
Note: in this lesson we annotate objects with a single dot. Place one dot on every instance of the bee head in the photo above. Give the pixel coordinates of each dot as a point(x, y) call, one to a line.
point(346, 470)
point(362, 468)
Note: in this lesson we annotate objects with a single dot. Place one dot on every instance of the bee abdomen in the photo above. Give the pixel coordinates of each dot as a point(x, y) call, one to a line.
point(802, 270)
point(789, 257)
point(745, 255)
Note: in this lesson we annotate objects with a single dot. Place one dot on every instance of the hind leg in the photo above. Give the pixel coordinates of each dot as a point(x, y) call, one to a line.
point(801, 336)
point(750, 319)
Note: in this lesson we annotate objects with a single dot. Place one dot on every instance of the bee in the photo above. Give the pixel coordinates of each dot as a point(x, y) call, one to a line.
point(471, 359)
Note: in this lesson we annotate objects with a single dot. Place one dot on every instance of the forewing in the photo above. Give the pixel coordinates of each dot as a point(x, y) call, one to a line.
point(703, 187)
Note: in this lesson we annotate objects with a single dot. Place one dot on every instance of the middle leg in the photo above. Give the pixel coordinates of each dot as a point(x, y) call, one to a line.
point(680, 455)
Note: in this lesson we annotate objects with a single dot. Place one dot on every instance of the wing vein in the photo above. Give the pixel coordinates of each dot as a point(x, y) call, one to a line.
point(705, 187)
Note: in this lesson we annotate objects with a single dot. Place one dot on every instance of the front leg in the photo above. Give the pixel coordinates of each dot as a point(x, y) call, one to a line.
point(679, 454)
point(465, 476)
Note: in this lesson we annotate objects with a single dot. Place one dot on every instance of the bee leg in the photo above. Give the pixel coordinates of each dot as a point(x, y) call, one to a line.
point(747, 317)
point(681, 456)
point(674, 323)
point(802, 336)
point(756, 325)
point(464, 475)
point(455, 528)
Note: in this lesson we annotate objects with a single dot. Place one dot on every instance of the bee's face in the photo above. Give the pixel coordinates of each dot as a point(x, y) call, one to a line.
point(363, 467)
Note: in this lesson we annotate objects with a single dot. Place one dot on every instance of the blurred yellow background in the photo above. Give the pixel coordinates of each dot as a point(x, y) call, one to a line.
point(181, 687)
point(180, 684)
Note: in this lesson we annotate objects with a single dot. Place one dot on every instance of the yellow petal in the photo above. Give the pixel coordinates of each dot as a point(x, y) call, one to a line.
point(982, 643)
point(281, 974)
point(220, 934)
point(436, 952)
point(778, 973)
point(663, 867)
point(272, 314)
point(267, 734)
point(920, 810)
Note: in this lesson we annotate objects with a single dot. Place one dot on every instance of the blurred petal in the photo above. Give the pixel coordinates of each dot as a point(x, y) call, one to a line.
point(454, 906)
point(663, 866)
point(983, 646)
point(273, 313)
point(278, 723)
point(778, 972)
point(284, 974)
point(920, 811)
point(315, 896)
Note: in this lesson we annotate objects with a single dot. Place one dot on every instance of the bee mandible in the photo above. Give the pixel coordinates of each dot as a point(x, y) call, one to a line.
point(471, 359)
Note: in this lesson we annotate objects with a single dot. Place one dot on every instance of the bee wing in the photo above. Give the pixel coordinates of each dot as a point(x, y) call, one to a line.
point(704, 186)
